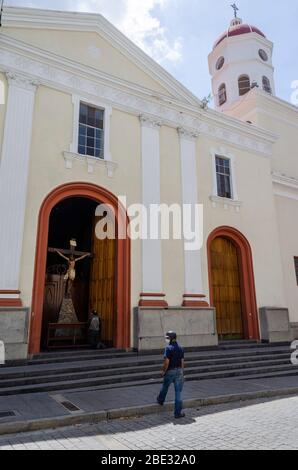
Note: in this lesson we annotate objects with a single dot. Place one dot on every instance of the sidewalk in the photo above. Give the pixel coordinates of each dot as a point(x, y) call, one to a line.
point(45, 410)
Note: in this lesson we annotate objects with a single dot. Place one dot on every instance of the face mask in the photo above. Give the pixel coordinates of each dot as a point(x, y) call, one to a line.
point(168, 341)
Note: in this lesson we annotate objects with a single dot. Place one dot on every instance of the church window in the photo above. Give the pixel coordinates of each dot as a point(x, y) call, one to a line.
point(220, 63)
point(222, 94)
point(267, 85)
point(223, 176)
point(296, 267)
point(263, 55)
point(244, 85)
point(91, 131)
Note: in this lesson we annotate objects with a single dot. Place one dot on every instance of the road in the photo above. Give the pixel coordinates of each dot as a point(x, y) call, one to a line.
point(248, 425)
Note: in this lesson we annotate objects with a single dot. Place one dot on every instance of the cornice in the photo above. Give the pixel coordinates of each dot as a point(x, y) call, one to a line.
point(65, 75)
point(283, 180)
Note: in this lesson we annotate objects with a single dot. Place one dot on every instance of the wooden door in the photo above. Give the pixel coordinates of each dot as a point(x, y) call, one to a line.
point(102, 286)
point(226, 289)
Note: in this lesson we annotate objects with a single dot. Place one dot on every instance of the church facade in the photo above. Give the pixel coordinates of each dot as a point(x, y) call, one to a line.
point(88, 121)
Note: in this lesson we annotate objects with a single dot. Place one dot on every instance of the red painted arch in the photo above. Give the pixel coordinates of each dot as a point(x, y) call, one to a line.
point(103, 196)
point(248, 291)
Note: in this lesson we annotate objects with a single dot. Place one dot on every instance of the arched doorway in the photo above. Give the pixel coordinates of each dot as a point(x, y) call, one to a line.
point(232, 287)
point(95, 195)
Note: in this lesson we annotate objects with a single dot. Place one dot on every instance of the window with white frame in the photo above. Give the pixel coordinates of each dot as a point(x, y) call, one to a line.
point(91, 131)
point(223, 177)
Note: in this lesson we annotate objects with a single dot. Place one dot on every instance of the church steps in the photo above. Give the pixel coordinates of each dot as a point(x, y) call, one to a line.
point(191, 366)
point(151, 365)
point(234, 351)
point(65, 382)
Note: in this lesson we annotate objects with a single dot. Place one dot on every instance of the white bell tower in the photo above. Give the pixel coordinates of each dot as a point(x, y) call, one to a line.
point(241, 59)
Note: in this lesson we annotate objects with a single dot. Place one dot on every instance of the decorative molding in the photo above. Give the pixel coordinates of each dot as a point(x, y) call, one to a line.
point(285, 186)
point(187, 134)
point(225, 202)
point(150, 121)
point(68, 76)
point(90, 162)
point(22, 81)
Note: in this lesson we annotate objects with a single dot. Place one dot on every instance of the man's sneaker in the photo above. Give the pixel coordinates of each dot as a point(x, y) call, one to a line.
point(159, 402)
point(182, 415)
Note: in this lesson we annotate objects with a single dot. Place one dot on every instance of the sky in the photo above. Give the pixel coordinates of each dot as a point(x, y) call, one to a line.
point(179, 34)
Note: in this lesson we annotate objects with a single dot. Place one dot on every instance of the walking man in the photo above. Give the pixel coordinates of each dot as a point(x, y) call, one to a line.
point(173, 373)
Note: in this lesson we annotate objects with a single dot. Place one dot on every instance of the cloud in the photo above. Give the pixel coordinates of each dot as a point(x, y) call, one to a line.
point(137, 19)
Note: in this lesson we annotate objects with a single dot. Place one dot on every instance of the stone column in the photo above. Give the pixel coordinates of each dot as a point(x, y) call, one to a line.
point(193, 290)
point(14, 167)
point(152, 294)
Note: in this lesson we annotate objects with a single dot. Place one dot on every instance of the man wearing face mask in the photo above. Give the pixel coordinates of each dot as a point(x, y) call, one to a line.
point(173, 372)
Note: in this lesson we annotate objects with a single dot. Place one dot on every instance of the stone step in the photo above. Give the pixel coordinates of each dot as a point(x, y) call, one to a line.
point(107, 367)
point(150, 377)
point(214, 352)
point(145, 371)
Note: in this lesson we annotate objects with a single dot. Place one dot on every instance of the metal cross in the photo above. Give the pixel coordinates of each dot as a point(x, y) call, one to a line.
point(235, 8)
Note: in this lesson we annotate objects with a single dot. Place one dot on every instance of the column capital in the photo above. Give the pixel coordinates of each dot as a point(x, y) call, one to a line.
point(22, 81)
point(187, 133)
point(150, 121)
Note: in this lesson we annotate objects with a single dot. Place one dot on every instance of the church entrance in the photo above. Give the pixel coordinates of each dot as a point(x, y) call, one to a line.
point(226, 287)
point(71, 294)
point(76, 272)
point(232, 288)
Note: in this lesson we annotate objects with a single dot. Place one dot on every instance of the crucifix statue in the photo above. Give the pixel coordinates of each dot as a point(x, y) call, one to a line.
point(67, 312)
point(72, 260)
point(235, 8)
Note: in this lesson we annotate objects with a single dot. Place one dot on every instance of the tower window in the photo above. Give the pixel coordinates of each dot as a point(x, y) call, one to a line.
point(267, 85)
point(220, 63)
point(222, 94)
point(263, 55)
point(244, 85)
point(223, 176)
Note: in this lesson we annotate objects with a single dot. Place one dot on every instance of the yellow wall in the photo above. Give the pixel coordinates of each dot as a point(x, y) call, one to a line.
point(109, 61)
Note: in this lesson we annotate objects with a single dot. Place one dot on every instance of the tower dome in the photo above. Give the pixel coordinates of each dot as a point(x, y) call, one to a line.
point(241, 59)
point(236, 28)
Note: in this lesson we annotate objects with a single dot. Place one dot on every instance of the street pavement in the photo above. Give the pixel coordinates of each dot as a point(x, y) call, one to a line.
point(259, 424)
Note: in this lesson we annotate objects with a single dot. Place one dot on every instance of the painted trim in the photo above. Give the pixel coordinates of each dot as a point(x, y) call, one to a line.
point(194, 301)
point(11, 303)
point(250, 310)
point(153, 300)
point(123, 286)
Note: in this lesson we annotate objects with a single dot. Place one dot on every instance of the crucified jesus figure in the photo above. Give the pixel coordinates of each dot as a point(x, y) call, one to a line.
point(72, 260)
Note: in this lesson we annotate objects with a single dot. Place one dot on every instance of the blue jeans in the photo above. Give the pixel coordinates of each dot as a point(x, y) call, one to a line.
point(174, 376)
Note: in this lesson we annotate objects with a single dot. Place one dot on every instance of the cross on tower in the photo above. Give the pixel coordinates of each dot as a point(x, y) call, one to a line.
point(235, 8)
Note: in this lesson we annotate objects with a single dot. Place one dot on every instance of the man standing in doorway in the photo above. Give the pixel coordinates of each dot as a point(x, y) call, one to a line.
point(173, 373)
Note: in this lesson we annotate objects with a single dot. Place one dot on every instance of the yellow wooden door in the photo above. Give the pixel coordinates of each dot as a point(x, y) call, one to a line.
point(102, 286)
point(226, 289)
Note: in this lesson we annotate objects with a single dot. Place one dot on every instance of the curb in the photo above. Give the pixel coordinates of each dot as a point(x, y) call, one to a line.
point(133, 412)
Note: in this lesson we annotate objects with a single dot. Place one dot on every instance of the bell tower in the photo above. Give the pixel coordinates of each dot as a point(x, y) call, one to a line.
point(241, 59)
